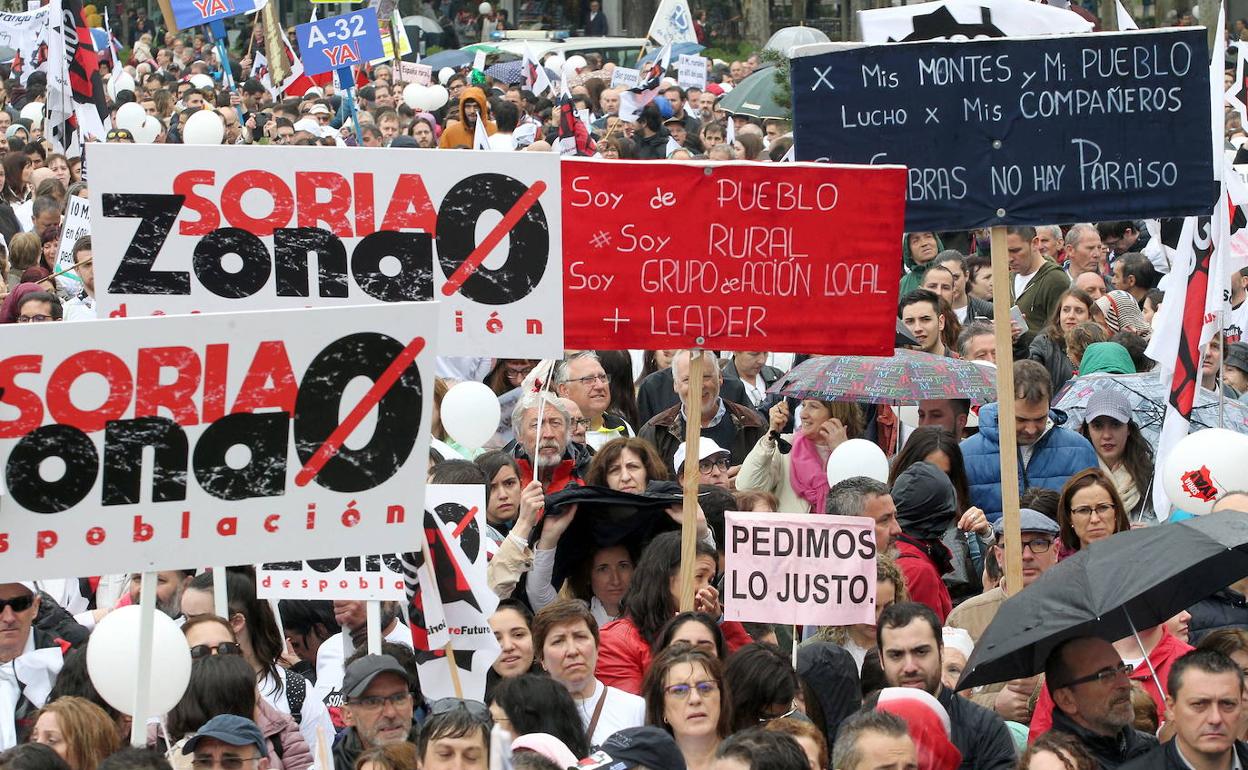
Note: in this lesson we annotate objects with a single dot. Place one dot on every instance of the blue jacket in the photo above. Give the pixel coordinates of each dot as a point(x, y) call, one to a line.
point(1058, 455)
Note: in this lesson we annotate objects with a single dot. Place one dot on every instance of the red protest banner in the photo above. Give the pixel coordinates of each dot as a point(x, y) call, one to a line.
point(792, 257)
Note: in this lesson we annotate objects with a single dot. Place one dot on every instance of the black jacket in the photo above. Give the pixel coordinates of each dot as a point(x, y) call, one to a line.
point(652, 147)
point(1109, 753)
point(1225, 609)
point(1166, 757)
point(769, 374)
point(597, 26)
point(978, 733)
point(1053, 355)
point(977, 308)
point(666, 431)
point(657, 393)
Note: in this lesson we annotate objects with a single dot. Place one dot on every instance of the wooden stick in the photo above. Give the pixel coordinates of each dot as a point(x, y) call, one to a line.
point(147, 623)
point(322, 750)
point(1005, 410)
point(220, 594)
point(71, 268)
point(450, 661)
point(689, 511)
point(372, 612)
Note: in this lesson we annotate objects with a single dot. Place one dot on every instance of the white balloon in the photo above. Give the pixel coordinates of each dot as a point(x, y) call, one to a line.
point(130, 116)
point(204, 127)
point(857, 457)
point(200, 80)
point(413, 95)
point(147, 131)
point(1203, 466)
point(120, 81)
point(485, 8)
point(574, 63)
point(470, 413)
point(445, 74)
point(34, 113)
point(113, 662)
point(436, 96)
point(554, 62)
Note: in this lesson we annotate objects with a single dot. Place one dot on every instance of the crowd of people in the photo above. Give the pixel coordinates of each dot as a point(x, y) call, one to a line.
point(599, 667)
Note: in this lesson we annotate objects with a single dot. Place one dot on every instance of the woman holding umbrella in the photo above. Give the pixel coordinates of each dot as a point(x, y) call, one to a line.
point(1089, 510)
point(799, 478)
point(1123, 452)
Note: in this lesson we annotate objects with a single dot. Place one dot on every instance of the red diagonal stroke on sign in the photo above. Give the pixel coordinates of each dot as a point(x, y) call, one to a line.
point(493, 238)
point(464, 522)
point(378, 391)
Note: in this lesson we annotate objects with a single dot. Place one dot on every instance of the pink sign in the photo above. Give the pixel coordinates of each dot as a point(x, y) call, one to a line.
point(799, 569)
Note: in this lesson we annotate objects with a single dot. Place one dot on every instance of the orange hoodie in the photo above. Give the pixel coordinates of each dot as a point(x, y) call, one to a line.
point(460, 133)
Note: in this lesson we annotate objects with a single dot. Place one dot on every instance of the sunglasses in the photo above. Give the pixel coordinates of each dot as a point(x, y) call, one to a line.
point(18, 604)
point(476, 709)
point(224, 648)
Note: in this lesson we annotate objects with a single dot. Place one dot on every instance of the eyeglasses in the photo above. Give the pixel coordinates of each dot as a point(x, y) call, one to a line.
point(681, 691)
point(722, 463)
point(792, 710)
point(17, 603)
point(38, 318)
point(1122, 669)
point(223, 648)
point(1039, 545)
point(376, 702)
point(590, 379)
point(476, 709)
point(580, 422)
point(227, 763)
point(1103, 510)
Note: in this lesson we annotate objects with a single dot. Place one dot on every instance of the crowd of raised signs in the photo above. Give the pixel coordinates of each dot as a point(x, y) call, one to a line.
point(598, 668)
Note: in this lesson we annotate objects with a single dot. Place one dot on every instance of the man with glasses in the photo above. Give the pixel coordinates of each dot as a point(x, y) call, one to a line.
point(377, 708)
point(1012, 700)
point(559, 461)
point(227, 742)
point(33, 652)
point(582, 379)
point(910, 643)
point(1091, 689)
point(731, 425)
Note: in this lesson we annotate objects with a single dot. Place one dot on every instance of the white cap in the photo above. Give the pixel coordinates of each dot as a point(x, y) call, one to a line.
point(958, 639)
point(309, 125)
point(706, 448)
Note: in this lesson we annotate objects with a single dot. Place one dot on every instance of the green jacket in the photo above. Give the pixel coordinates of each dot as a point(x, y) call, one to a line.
point(1040, 297)
point(912, 272)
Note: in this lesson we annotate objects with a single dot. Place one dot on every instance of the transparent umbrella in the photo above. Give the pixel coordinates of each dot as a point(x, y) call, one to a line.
point(786, 38)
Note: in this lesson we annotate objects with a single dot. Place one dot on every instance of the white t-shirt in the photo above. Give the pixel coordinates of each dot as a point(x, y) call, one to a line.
point(961, 312)
point(331, 657)
point(1235, 327)
point(620, 710)
point(1021, 281)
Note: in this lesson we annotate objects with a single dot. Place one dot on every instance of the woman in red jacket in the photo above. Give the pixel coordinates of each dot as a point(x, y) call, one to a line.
point(625, 647)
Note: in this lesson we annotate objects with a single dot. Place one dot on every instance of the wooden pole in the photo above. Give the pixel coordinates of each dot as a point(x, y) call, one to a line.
point(220, 593)
point(372, 619)
point(142, 690)
point(1005, 410)
point(689, 512)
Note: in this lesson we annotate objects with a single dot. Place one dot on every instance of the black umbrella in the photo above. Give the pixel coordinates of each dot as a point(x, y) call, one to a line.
point(1133, 580)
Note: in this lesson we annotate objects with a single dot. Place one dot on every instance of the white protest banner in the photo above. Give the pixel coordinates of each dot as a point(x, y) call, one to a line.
point(356, 577)
point(270, 435)
point(221, 229)
point(795, 568)
point(421, 74)
point(672, 23)
point(967, 20)
point(77, 224)
point(452, 580)
point(691, 71)
point(28, 34)
point(478, 61)
point(625, 77)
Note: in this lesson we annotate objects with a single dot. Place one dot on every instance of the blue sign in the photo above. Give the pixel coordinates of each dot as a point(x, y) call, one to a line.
point(190, 13)
point(1020, 131)
point(339, 41)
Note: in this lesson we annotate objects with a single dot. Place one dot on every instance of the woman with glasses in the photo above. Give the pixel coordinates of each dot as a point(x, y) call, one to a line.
point(222, 683)
point(799, 477)
point(538, 704)
point(79, 731)
point(685, 695)
point(1122, 451)
point(255, 630)
point(1089, 510)
point(567, 636)
point(763, 685)
point(650, 602)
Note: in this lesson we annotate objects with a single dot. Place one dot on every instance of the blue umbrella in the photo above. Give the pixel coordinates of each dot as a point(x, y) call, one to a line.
point(678, 49)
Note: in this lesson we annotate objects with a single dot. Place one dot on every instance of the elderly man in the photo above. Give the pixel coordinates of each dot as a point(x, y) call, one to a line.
point(1092, 693)
point(377, 708)
point(1205, 705)
point(874, 740)
point(561, 462)
point(978, 342)
point(582, 379)
point(30, 659)
point(911, 648)
point(1083, 250)
point(227, 740)
point(1012, 700)
point(732, 426)
point(1092, 284)
point(863, 496)
point(1048, 241)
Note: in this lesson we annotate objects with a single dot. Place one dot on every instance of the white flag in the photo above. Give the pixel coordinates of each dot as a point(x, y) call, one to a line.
point(1125, 22)
point(948, 19)
point(535, 77)
point(480, 138)
point(673, 23)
